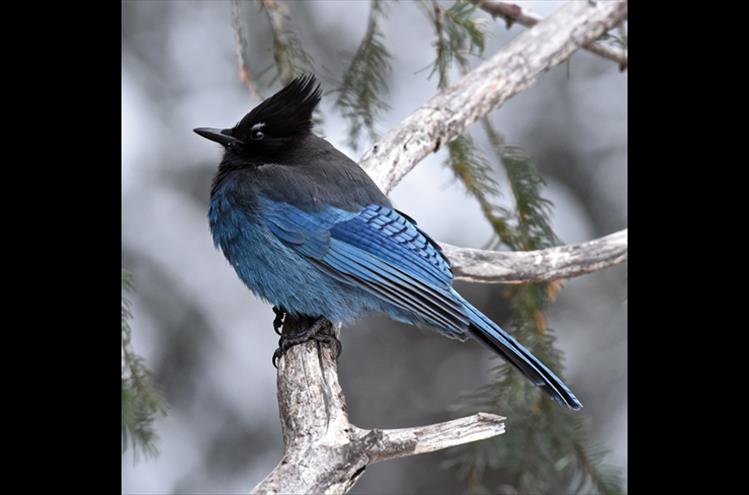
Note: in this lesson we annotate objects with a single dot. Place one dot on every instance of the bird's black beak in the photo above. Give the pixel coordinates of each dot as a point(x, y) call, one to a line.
point(221, 136)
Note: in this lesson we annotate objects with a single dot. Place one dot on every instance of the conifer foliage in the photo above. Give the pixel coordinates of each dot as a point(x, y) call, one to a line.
point(141, 401)
point(364, 84)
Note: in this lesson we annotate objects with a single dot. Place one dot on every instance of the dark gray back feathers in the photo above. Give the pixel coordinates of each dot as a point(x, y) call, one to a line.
point(316, 174)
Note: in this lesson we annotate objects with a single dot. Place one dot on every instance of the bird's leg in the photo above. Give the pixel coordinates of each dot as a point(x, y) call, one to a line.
point(321, 330)
point(280, 315)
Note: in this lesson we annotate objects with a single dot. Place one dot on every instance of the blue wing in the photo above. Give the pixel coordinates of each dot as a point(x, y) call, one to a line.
point(381, 251)
point(378, 250)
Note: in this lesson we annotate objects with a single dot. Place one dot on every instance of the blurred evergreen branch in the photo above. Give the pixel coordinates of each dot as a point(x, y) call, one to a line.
point(458, 35)
point(546, 448)
point(241, 42)
point(365, 80)
point(141, 401)
point(474, 171)
point(288, 53)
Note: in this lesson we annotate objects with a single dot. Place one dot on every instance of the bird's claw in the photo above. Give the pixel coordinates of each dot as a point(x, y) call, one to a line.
point(320, 331)
point(277, 355)
point(332, 341)
point(278, 321)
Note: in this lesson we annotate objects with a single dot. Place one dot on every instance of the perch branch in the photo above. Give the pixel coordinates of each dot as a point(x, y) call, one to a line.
point(513, 13)
point(512, 70)
point(323, 451)
point(476, 265)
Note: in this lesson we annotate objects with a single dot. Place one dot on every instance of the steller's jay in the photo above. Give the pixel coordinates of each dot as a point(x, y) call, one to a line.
point(307, 230)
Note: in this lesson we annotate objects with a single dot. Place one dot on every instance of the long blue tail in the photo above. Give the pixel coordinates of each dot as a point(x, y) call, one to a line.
point(489, 333)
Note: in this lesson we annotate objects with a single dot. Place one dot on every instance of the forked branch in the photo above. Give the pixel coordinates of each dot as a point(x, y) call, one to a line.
point(323, 451)
point(513, 13)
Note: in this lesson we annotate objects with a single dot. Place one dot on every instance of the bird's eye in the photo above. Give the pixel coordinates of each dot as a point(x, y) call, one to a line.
point(257, 135)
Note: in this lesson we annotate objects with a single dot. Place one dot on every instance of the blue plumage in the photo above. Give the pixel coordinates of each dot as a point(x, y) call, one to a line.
point(307, 230)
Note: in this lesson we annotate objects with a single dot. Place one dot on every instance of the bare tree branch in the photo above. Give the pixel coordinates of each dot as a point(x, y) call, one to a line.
point(513, 13)
point(276, 12)
point(420, 440)
point(241, 42)
point(323, 451)
point(572, 260)
point(512, 70)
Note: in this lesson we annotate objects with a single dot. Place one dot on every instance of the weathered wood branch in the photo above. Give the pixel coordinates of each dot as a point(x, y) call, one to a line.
point(512, 70)
point(572, 260)
point(513, 13)
point(323, 451)
point(241, 45)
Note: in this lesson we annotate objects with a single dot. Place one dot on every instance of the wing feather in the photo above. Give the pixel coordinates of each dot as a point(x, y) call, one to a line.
point(378, 250)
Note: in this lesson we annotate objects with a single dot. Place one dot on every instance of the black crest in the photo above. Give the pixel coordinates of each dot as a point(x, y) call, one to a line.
point(288, 112)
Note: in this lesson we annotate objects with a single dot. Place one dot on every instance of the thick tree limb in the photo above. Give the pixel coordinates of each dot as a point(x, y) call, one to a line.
point(513, 13)
point(323, 451)
point(510, 71)
point(476, 265)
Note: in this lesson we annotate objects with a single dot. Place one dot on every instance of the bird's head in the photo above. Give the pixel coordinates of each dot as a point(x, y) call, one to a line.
point(272, 126)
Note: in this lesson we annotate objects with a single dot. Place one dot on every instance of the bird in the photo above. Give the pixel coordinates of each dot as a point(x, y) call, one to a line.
point(307, 230)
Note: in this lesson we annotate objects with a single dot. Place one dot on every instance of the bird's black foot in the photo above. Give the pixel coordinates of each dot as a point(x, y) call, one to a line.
point(280, 315)
point(321, 331)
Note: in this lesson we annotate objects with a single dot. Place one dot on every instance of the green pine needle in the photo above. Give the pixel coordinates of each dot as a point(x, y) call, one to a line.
point(365, 81)
point(288, 52)
point(142, 403)
point(595, 474)
point(473, 170)
point(458, 35)
point(533, 211)
point(289, 56)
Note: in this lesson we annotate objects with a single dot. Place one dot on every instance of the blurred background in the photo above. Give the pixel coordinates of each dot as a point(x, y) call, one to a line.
point(209, 341)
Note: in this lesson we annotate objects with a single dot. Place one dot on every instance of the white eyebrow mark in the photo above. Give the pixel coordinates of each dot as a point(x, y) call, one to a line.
point(257, 126)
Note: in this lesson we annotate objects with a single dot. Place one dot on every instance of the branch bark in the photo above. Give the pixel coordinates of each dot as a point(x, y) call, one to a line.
point(513, 13)
point(512, 70)
point(515, 267)
point(323, 451)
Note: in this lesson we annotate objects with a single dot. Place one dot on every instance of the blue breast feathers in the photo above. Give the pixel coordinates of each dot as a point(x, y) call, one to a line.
point(335, 262)
point(274, 271)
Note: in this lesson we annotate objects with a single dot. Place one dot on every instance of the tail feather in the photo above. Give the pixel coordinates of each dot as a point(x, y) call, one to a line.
point(490, 334)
